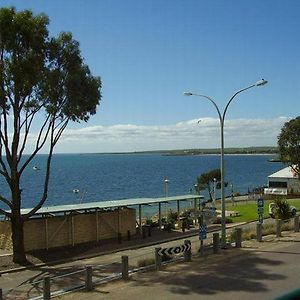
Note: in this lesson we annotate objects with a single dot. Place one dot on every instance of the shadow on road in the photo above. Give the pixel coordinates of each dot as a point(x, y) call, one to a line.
point(238, 272)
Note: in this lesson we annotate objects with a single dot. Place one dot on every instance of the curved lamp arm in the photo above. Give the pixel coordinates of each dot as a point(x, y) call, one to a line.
point(258, 83)
point(222, 117)
point(208, 98)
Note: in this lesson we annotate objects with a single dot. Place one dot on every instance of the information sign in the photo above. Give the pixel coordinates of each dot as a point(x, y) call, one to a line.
point(202, 232)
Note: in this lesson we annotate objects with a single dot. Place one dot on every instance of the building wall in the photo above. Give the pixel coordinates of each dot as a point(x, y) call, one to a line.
point(72, 229)
point(5, 235)
point(293, 184)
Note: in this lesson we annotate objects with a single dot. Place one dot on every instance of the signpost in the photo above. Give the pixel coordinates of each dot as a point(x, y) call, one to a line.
point(260, 210)
point(202, 234)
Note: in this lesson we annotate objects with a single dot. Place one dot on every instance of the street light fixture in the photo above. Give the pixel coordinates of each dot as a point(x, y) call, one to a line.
point(166, 181)
point(222, 119)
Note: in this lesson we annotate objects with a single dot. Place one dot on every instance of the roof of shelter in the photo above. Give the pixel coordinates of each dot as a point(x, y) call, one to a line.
point(287, 172)
point(109, 204)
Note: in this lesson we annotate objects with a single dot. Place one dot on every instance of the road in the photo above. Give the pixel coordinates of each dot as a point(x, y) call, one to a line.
point(257, 271)
point(25, 282)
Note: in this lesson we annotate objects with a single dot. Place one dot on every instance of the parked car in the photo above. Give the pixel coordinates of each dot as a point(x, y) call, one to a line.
point(293, 210)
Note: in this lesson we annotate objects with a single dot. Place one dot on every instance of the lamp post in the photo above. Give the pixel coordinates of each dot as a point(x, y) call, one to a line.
point(166, 194)
point(222, 119)
point(214, 194)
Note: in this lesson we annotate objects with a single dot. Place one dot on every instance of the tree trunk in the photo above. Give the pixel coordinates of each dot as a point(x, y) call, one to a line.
point(19, 256)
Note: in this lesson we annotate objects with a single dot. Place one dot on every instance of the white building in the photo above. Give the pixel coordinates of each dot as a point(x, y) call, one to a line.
point(283, 182)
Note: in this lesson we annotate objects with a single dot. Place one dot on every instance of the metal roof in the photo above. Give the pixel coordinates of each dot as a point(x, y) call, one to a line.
point(284, 173)
point(109, 204)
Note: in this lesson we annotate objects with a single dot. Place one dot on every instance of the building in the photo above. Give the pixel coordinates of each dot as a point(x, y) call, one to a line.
point(283, 182)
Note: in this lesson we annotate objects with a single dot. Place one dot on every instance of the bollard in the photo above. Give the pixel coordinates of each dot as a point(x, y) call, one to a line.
point(149, 230)
point(296, 223)
point(183, 226)
point(278, 227)
point(157, 259)
point(128, 235)
point(144, 232)
point(259, 232)
point(216, 242)
point(1, 294)
point(88, 278)
point(238, 237)
point(119, 238)
point(46, 288)
point(188, 253)
point(125, 267)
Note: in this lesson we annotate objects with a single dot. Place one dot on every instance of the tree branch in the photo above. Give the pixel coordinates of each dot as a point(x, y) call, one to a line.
point(60, 131)
point(7, 202)
point(39, 143)
point(5, 213)
point(27, 129)
point(47, 176)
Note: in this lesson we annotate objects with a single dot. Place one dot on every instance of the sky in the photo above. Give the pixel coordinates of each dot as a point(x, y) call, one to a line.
point(148, 52)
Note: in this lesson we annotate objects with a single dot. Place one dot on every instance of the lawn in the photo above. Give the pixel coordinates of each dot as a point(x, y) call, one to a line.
point(248, 209)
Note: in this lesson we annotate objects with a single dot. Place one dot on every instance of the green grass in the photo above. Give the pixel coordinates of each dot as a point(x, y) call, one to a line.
point(248, 210)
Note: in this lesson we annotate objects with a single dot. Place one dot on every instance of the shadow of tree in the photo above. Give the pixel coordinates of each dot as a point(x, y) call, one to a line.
point(234, 273)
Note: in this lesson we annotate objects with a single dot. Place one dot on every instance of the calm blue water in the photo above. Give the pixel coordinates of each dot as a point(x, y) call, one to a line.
point(120, 176)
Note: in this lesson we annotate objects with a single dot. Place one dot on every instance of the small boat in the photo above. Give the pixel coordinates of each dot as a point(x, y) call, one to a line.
point(75, 191)
point(35, 168)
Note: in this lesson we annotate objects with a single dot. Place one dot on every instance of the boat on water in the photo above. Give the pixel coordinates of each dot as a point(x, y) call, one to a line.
point(276, 159)
point(35, 168)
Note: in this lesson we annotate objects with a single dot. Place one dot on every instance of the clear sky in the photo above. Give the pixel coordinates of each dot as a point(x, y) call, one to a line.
point(148, 52)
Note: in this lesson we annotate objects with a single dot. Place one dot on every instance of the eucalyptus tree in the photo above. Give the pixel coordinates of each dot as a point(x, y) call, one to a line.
point(289, 144)
point(207, 180)
point(44, 84)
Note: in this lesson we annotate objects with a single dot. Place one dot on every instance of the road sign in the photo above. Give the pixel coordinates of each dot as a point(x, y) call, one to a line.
point(260, 202)
point(174, 250)
point(202, 232)
point(260, 210)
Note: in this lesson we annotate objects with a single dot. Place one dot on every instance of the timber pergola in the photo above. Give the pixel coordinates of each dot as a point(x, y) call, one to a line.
point(116, 204)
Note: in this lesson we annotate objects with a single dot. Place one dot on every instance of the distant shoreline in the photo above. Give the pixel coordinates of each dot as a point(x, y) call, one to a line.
point(193, 152)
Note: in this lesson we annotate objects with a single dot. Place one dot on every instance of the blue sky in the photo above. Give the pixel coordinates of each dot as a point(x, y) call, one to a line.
point(149, 52)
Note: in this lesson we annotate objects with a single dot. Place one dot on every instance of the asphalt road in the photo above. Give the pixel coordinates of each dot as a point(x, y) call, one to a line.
point(257, 271)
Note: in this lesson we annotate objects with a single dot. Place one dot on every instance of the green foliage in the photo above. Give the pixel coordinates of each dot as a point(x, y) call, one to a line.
point(43, 81)
point(289, 144)
point(281, 209)
point(205, 181)
point(218, 220)
point(172, 218)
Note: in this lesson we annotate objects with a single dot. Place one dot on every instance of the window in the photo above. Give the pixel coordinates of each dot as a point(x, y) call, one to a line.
point(277, 184)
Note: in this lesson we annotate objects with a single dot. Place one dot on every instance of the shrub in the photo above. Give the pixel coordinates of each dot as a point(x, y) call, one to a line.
point(172, 217)
point(218, 220)
point(281, 209)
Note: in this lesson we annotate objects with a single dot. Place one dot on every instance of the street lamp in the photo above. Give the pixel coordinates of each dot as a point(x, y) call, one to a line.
point(222, 119)
point(166, 194)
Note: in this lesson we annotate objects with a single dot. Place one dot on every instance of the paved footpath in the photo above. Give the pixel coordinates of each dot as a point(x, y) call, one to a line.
point(256, 271)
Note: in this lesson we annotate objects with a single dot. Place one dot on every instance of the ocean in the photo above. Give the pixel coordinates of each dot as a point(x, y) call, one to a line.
point(77, 178)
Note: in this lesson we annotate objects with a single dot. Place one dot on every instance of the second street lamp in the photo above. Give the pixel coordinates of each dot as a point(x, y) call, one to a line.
point(222, 119)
